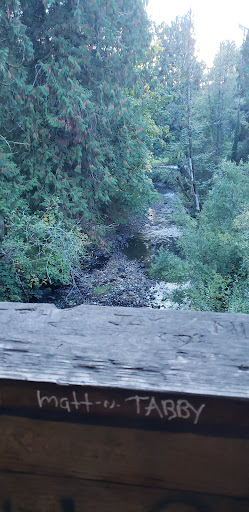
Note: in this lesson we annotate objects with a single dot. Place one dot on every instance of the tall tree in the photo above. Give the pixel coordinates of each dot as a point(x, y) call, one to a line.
point(73, 102)
point(222, 98)
point(240, 150)
point(215, 110)
point(180, 73)
point(16, 50)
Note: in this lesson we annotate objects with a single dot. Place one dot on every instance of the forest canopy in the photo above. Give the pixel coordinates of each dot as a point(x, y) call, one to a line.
point(73, 138)
point(208, 140)
point(93, 97)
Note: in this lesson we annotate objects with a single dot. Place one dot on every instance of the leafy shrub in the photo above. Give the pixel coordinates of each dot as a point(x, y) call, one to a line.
point(39, 252)
point(214, 247)
point(165, 174)
point(169, 267)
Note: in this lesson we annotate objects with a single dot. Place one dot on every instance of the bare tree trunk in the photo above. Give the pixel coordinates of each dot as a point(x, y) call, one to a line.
point(182, 188)
point(219, 114)
point(190, 142)
point(211, 114)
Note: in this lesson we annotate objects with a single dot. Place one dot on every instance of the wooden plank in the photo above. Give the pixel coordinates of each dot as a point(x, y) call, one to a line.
point(178, 412)
point(162, 459)
point(130, 348)
point(29, 493)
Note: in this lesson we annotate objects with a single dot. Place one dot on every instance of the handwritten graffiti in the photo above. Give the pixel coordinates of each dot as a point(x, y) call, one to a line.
point(169, 409)
point(143, 406)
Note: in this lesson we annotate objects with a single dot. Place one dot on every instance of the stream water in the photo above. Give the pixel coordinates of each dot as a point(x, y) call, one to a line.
point(159, 232)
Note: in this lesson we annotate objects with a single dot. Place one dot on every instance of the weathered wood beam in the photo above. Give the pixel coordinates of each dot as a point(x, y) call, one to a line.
point(76, 495)
point(111, 401)
point(182, 461)
point(129, 348)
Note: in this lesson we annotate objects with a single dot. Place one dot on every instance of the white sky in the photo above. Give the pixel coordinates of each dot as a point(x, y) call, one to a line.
point(214, 21)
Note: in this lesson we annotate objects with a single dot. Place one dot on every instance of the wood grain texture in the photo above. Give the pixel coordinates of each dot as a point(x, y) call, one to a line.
point(123, 409)
point(203, 353)
point(30, 493)
point(129, 456)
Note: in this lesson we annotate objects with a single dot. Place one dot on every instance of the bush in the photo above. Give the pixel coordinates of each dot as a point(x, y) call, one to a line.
point(214, 247)
point(39, 252)
point(169, 267)
point(165, 174)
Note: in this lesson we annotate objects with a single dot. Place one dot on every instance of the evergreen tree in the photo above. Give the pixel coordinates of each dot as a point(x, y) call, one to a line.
point(240, 150)
point(222, 98)
point(73, 135)
point(180, 73)
point(77, 97)
point(16, 51)
point(215, 113)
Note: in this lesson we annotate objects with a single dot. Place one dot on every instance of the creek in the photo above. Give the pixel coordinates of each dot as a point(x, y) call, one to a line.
point(160, 231)
point(122, 279)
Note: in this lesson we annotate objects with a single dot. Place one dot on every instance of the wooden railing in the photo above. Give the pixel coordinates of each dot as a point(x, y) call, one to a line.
point(123, 409)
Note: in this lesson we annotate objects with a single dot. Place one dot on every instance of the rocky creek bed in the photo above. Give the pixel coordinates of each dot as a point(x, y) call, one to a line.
point(120, 282)
point(123, 280)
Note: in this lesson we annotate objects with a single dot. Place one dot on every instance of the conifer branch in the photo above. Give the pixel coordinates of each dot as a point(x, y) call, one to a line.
point(8, 142)
point(5, 140)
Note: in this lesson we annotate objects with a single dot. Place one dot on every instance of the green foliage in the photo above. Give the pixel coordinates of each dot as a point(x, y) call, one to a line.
point(169, 267)
point(215, 113)
point(74, 131)
point(180, 74)
point(11, 182)
point(240, 149)
point(83, 100)
point(155, 101)
point(72, 102)
point(206, 113)
point(157, 162)
point(214, 247)
point(101, 290)
point(164, 173)
point(39, 252)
